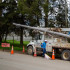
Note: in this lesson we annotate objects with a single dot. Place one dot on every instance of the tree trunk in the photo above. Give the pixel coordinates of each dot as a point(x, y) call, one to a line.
point(0, 22)
point(5, 37)
point(46, 21)
point(61, 25)
point(0, 39)
point(6, 32)
point(13, 40)
point(46, 14)
point(21, 36)
point(38, 21)
point(0, 9)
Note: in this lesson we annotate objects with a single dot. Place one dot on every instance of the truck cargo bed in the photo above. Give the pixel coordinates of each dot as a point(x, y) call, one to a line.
point(61, 45)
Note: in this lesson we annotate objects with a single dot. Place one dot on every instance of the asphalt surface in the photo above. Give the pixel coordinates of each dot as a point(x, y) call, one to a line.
point(26, 62)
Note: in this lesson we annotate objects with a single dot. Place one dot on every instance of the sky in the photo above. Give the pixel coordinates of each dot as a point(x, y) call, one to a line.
point(68, 2)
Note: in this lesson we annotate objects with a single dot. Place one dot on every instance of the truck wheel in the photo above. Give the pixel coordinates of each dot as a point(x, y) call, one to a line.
point(65, 55)
point(30, 50)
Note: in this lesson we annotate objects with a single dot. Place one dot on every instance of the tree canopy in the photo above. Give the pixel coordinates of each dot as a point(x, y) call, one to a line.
point(29, 12)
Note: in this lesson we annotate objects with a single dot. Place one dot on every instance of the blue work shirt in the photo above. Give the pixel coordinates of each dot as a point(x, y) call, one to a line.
point(43, 45)
point(69, 33)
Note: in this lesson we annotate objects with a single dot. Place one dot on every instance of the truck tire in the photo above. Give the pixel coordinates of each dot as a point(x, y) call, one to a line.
point(65, 55)
point(30, 50)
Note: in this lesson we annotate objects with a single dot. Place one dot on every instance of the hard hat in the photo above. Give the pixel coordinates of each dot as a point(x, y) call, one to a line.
point(45, 40)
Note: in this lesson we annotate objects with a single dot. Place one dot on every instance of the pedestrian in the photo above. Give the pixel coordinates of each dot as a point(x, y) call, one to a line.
point(43, 45)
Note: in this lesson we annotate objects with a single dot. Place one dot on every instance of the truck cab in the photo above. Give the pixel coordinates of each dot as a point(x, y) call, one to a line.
point(35, 43)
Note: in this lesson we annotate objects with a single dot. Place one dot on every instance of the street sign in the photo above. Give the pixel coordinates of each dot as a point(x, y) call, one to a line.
point(5, 44)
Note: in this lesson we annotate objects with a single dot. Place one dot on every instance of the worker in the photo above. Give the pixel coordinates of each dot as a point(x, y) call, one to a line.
point(43, 45)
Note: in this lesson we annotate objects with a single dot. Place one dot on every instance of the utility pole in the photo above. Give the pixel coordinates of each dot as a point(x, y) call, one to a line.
point(66, 13)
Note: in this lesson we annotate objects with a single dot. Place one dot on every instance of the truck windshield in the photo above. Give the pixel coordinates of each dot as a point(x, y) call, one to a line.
point(38, 37)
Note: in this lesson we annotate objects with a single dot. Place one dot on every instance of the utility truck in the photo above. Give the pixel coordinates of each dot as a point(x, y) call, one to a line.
point(56, 37)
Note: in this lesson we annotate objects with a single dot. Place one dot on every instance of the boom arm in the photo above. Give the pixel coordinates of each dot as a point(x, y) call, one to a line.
point(43, 30)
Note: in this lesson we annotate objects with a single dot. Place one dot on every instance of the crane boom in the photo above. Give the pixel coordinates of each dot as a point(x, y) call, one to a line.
point(43, 30)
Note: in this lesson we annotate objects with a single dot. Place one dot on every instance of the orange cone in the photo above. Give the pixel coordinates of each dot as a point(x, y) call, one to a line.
point(53, 55)
point(35, 53)
point(12, 52)
point(23, 49)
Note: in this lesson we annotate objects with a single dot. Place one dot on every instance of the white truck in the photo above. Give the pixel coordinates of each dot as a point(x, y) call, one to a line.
point(59, 44)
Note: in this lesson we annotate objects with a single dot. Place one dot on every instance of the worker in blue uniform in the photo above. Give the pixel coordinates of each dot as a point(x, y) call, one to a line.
point(43, 45)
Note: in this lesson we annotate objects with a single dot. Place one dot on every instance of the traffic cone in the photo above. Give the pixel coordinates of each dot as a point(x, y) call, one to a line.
point(53, 55)
point(35, 53)
point(12, 51)
point(23, 49)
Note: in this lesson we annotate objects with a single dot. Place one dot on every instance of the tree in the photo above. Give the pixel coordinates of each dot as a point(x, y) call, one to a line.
point(29, 9)
point(36, 12)
point(0, 22)
point(45, 6)
point(62, 14)
point(8, 10)
point(57, 9)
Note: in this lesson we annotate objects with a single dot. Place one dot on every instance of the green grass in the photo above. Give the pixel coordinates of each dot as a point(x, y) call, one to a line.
point(16, 45)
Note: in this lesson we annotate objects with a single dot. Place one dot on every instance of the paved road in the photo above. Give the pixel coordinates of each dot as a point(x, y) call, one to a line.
point(27, 62)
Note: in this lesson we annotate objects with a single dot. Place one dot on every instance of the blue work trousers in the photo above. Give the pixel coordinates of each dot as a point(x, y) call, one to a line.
point(44, 51)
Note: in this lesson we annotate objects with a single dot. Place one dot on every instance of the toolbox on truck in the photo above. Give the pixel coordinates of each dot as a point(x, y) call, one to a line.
point(39, 50)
